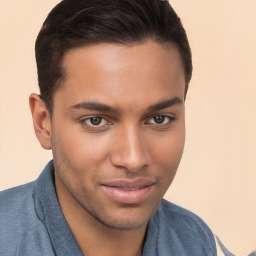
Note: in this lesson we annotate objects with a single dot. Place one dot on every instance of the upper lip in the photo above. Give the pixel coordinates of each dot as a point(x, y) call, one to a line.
point(125, 183)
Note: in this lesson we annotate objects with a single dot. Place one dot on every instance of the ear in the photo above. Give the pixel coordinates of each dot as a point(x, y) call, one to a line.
point(41, 120)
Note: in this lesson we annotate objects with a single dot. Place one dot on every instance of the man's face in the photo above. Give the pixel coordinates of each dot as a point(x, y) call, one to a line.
point(118, 129)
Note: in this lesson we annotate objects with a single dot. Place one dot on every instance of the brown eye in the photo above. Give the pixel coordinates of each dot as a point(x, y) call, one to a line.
point(159, 119)
point(95, 120)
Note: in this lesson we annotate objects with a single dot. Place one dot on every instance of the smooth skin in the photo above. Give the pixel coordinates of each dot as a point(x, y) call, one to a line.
point(117, 134)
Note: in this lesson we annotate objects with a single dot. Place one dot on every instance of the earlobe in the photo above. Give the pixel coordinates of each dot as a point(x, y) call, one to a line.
point(41, 120)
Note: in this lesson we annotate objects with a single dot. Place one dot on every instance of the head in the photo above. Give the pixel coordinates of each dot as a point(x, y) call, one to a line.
point(75, 23)
point(113, 77)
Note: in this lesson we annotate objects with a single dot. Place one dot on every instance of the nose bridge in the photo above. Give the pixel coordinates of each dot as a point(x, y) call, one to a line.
point(130, 151)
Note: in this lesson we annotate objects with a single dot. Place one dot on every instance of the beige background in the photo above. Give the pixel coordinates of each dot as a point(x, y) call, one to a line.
point(217, 175)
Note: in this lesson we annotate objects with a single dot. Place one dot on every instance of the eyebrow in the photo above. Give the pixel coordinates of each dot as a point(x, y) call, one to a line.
point(165, 104)
point(94, 106)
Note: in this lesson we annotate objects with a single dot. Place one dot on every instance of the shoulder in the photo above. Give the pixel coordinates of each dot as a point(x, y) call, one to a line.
point(16, 203)
point(177, 217)
point(14, 199)
point(189, 231)
point(17, 192)
point(170, 212)
point(18, 219)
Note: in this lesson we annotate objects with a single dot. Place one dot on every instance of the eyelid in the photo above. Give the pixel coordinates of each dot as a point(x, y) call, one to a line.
point(92, 127)
point(169, 116)
point(86, 117)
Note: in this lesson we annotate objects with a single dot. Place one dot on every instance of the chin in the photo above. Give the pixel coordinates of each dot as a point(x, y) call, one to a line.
point(127, 218)
point(123, 224)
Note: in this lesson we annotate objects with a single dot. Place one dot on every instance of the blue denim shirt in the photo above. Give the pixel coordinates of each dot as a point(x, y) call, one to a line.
point(32, 223)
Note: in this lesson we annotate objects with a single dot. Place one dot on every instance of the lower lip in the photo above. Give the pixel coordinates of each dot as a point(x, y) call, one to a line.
point(127, 196)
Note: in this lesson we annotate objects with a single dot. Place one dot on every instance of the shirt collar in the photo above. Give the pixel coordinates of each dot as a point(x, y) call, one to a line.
point(49, 212)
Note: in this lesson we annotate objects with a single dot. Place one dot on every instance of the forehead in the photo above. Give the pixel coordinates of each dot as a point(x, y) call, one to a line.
point(107, 56)
point(109, 71)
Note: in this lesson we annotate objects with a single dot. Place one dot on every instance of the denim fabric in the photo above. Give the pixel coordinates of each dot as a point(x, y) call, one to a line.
point(32, 223)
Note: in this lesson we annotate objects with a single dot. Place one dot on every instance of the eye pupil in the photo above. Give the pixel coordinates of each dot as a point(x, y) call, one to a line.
point(95, 120)
point(159, 119)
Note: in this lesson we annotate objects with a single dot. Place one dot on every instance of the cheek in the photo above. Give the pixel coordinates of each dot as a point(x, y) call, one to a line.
point(167, 155)
point(80, 146)
point(79, 158)
point(169, 148)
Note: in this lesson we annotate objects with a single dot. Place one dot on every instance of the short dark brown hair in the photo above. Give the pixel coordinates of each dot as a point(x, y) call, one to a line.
point(74, 23)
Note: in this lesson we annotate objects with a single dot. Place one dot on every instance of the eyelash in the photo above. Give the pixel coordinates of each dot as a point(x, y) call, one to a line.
point(87, 122)
point(167, 120)
point(90, 118)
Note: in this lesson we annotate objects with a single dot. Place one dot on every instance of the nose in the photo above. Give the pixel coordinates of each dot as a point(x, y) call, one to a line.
point(130, 150)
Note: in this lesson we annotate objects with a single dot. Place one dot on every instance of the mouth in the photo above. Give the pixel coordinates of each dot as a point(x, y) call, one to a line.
point(129, 189)
point(128, 192)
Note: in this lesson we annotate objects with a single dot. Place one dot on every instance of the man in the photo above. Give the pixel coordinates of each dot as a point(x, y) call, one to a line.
point(113, 78)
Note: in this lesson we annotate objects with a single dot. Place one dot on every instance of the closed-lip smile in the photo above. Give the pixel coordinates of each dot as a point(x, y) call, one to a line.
point(128, 191)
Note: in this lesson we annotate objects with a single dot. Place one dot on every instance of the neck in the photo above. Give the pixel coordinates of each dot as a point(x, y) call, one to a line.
point(93, 237)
